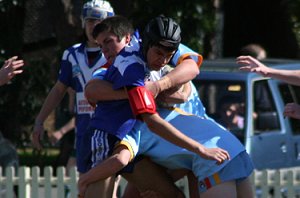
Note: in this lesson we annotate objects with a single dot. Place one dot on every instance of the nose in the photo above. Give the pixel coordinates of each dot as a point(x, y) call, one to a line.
point(104, 49)
point(163, 59)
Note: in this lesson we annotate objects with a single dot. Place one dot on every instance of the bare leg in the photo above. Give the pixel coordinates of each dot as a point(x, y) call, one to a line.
point(102, 188)
point(193, 185)
point(131, 191)
point(148, 176)
point(71, 163)
point(192, 180)
point(226, 189)
point(244, 189)
point(115, 191)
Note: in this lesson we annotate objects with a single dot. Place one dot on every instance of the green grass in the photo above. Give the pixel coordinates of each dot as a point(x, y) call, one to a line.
point(32, 157)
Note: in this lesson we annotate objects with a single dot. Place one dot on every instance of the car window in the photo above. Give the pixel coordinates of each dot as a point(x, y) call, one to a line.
point(265, 115)
point(225, 102)
point(291, 94)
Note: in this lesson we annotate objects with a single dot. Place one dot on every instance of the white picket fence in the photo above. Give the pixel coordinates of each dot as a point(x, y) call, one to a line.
point(30, 183)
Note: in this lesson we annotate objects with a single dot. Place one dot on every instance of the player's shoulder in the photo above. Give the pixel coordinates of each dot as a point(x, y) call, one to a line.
point(72, 49)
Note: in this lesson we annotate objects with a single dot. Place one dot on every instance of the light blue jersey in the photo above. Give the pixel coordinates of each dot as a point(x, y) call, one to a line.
point(205, 131)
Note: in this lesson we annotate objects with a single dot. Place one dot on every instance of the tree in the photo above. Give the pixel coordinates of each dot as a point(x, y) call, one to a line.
point(265, 22)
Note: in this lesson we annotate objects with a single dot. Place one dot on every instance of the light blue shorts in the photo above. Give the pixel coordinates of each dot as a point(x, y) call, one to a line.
point(238, 169)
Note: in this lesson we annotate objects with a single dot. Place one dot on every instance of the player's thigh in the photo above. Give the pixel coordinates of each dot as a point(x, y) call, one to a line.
point(149, 176)
point(102, 187)
point(225, 189)
point(244, 189)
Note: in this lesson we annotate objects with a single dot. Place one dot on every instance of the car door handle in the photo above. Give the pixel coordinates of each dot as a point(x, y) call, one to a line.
point(283, 148)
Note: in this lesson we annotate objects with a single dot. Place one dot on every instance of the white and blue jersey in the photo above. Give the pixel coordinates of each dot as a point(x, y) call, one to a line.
point(75, 72)
point(128, 70)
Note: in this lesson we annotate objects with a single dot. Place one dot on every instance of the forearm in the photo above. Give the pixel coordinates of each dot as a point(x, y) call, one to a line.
point(100, 172)
point(182, 73)
point(101, 90)
point(107, 168)
point(164, 129)
point(288, 76)
point(51, 102)
point(68, 127)
point(176, 96)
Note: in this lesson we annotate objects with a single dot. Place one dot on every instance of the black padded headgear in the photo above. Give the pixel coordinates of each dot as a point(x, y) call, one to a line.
point(162, 31)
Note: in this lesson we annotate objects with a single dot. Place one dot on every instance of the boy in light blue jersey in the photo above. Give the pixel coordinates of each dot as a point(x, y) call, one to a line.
point(214, 141)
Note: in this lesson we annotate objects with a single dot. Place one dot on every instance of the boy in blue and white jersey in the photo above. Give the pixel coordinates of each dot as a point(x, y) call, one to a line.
point(137, 109)
point(77, 65)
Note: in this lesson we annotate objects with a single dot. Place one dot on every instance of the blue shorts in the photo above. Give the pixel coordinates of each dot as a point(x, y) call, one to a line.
point(97, 145)
point(83, 152)
point(238, 169)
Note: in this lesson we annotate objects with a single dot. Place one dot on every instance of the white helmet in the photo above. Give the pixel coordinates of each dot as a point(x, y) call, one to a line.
point(97, 9)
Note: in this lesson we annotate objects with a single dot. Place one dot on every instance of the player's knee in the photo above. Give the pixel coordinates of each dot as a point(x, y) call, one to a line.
point(122, 157)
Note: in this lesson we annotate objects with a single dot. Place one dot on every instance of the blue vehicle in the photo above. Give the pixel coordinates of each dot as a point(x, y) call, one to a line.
point(271, 140)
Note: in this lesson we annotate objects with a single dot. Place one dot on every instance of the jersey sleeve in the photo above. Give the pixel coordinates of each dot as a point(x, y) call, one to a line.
point(184, 52)
point(99, 73)
point(65, 73)
point(131, 75)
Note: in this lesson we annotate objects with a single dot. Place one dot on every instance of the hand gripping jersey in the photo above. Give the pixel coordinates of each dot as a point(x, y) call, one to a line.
point(75, 72)
point(205, 131)
point(193, 105)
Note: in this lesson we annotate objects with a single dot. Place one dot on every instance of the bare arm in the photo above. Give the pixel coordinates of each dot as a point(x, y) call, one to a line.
point(181, 74)
point(164, 129)
point(107, 168)
point(57, 135)
point(175, 95)
point(101, 90)
point(53, 99)
point(250, 64)
point(184, 72)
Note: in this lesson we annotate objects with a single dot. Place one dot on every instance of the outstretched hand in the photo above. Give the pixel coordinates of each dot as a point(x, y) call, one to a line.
point(250, 64)
point(10, 68)
point(292, 110)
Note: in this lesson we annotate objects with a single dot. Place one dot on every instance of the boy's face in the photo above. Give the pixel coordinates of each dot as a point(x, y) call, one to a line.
point(158, 57)
point(111, 45)
point(89, 26)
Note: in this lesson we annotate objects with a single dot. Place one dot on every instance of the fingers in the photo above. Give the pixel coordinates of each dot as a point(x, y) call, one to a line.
point(17, 64)
point(221, 156)
point(37, 136)
point(36, 141)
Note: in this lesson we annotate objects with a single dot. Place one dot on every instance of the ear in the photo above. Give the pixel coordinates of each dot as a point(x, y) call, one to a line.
point(127, 38)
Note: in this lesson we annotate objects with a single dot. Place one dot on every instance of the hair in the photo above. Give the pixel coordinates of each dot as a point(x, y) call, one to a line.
point(254, 50)
point(118, 25)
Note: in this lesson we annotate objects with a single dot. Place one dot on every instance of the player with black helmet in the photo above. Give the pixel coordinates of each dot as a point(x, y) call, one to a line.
point(127, 71)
